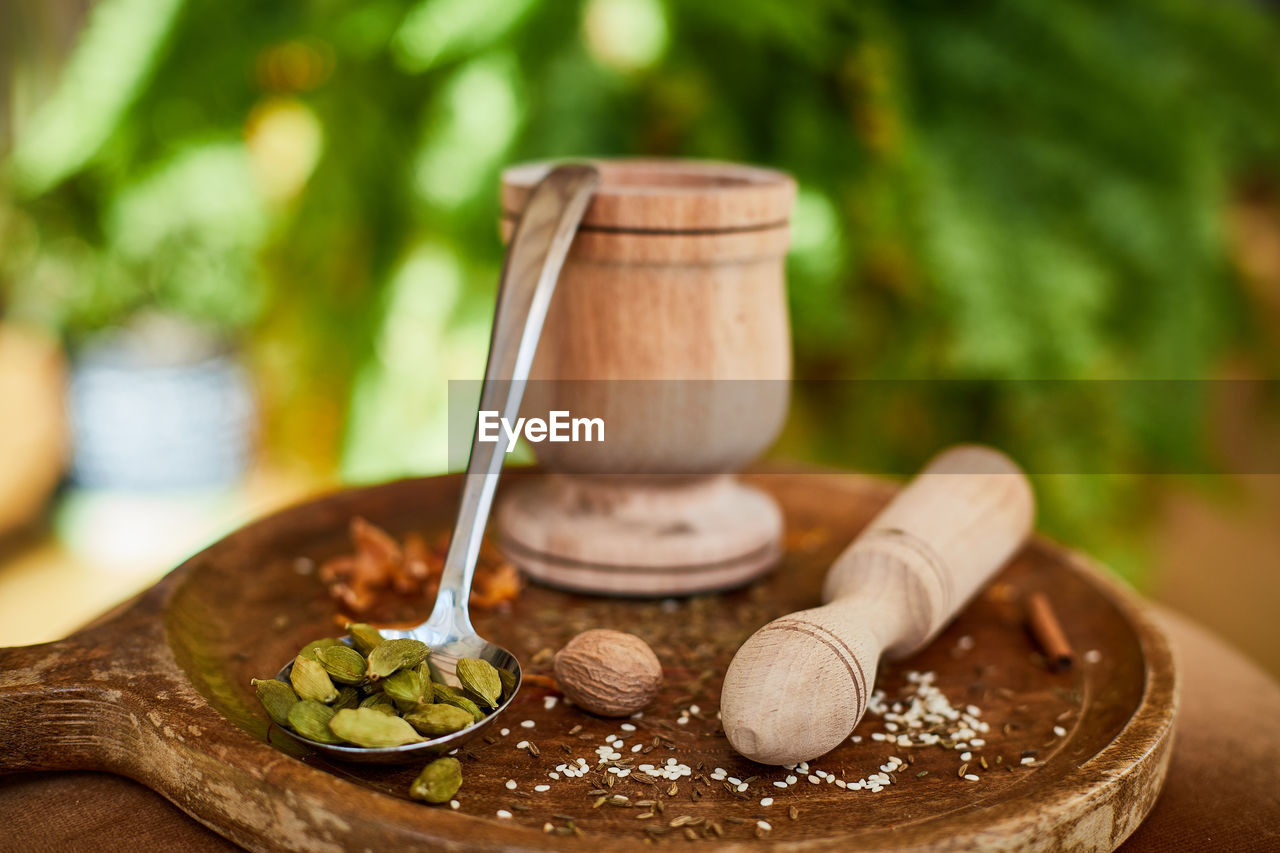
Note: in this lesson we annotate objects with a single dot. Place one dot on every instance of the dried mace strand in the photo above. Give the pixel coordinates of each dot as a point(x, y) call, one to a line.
point(481, 678)
point(371, 729)
point(438, 781)
point(391, 655)
point(276, 697)
point(311, 681)
point(344, 664)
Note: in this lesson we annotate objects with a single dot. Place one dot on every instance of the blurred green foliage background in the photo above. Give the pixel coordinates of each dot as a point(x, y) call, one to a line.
point(994, 190)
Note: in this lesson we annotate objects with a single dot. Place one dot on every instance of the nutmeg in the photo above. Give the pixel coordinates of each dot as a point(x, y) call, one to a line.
point(608, 672)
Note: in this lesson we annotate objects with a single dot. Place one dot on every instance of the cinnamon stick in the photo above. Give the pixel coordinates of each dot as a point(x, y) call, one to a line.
point(1048, 633)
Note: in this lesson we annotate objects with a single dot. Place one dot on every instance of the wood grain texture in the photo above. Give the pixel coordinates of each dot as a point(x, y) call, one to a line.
point(670, 196)
point(678, 339)
point(161, 694)
point(891, 591)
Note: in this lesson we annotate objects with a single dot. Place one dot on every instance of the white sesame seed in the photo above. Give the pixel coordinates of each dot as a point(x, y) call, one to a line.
point(965, 756)
point(972, 777)
point(637, 747)
point(856, 739)
point(814, 779)
point(791, 780)
point(505, 732)
point(743, 787)
point(683, 721)
point(554, 775)
point(550, 702)
point(528, 724)
point(766, 801)
point(779, 784)
point(541, 788)
point(977, 742)
point(694, 709)
point(454, 804)
point(522, 744)
point(610, 738)
point(511, 784)
point(1059, 731)
point(764, 825)
point(504, 814)
point(1028, 760)
point(627, 727)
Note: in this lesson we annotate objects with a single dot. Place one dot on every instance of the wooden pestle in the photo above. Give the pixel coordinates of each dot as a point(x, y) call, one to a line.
point(800, 684)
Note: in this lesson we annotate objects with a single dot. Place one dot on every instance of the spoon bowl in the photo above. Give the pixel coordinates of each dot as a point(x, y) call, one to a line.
point(445, 653)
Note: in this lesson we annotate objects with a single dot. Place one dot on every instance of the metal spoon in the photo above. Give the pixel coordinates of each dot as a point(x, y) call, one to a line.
point(536, 254)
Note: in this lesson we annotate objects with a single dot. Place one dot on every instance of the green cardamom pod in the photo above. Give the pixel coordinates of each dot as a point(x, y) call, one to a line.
point(380, 702)
point(310, 719)
point(390, 655)
point(442, 690)
point(406, 688)
point(311, 681)
point(276, 697)
point(364, 637)
point(438, 781)
point(344, 664)
point(446, 695)
point(348, 697)
point(369, 728)
point(436, 720)
point(309, 650)
point(480, 677)
point(509, 682)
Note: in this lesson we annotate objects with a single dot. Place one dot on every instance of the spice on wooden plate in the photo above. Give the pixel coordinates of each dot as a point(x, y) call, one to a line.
point(1047, 630)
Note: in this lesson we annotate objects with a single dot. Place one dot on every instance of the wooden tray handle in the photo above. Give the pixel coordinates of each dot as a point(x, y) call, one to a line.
point(65, 705)
point(800, 684)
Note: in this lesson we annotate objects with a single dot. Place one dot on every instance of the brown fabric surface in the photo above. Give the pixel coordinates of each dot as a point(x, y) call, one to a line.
point(1223, 790)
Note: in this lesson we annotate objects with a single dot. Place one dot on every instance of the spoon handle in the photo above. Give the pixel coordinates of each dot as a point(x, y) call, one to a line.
point(537, 252)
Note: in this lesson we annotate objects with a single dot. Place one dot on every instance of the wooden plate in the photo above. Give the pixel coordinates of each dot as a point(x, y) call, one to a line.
point(161, 693)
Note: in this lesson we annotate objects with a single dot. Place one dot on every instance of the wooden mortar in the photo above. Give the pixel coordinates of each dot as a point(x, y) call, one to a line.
point(670, 323)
